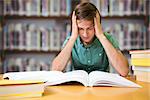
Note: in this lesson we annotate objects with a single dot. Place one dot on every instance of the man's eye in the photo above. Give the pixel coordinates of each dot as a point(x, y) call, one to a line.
point(80, 28)
point(90, 28)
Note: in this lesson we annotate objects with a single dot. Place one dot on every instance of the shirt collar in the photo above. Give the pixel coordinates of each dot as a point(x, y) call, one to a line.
point(95, 41)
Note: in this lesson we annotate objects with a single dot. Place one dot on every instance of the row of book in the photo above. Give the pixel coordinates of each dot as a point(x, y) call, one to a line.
point(129, 35)
point(140, 61)
point(121, 7)
point(37, 7)
point(32, 37)
point(19, 64)
point(63, 7)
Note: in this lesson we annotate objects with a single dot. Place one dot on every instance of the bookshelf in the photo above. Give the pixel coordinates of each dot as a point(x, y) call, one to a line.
point(37, 17)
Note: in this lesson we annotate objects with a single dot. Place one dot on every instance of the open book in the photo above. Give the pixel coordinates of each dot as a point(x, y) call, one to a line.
point(95, 78)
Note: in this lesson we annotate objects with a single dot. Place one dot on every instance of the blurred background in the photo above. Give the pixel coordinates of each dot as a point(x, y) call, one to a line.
point(32, 31)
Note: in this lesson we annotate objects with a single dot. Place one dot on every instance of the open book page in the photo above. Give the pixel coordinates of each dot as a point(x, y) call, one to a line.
point(77, 75)
point(31, 75)
point(50, 77)
point(98, 78)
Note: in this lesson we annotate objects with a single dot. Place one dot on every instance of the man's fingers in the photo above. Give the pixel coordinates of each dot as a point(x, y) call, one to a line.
point(73, 15)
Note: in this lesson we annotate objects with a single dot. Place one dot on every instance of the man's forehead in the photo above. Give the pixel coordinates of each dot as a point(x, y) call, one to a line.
point(83, 23)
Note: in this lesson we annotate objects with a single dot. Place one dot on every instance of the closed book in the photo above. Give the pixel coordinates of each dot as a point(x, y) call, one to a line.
point(140, 62)
point(140, 55)
point(142, 75)
point(140, 51)
point(20, 88)
point(141, 68)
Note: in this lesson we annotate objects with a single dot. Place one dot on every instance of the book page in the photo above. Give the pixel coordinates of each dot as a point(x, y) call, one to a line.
point(97, 78)
point(31, 75)
point(78, 76)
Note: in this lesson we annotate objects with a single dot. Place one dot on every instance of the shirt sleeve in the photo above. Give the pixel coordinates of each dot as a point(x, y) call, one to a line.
point(112, 39)
point(66, 40)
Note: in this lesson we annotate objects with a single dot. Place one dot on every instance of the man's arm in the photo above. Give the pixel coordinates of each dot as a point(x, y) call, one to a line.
point(60, 62)
point(116, 58)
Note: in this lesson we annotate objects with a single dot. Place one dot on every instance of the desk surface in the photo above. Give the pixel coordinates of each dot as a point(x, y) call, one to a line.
point(79, 92)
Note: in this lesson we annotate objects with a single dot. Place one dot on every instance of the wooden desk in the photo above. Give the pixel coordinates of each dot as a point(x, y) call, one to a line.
point(79, 92)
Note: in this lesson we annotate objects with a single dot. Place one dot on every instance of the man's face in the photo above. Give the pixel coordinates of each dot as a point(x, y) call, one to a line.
point(86, 30)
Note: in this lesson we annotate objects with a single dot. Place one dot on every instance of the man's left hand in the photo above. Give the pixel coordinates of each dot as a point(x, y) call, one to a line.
point(97, 25)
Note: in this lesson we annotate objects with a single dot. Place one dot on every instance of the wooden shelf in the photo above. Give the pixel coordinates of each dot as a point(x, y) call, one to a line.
point(29, 51)
point(124, 17)
point(68, 17)
point(36, 17)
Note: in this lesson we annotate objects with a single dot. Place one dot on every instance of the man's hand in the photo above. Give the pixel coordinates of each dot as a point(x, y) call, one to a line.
point(98, 27)
point(74, 26)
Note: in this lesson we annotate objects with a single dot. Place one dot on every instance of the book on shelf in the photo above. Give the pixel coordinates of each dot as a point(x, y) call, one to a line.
point(63, 7)
point(55, 7)
point(68, 8)
point(13, 89)
point(55, 39)
point(96, 3)
point(95, 78)
point(116, 7)
point(45, 7)
point(104, 7)
point(44, 41)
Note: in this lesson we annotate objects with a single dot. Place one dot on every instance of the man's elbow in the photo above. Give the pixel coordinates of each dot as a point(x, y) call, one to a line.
point(125, 72)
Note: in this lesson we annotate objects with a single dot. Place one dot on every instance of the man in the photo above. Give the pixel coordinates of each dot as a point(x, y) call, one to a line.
point(88, 47)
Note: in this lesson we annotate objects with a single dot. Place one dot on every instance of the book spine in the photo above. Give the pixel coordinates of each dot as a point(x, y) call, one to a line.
point(140, 62)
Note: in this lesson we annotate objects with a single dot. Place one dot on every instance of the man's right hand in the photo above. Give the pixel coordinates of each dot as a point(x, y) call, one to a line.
point(74, 26)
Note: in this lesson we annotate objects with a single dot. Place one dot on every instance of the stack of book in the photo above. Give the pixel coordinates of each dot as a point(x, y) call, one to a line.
point(20, 88)
point(140, 60)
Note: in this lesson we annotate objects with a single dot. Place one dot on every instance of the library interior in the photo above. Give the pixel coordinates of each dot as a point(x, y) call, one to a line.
point(32, 33)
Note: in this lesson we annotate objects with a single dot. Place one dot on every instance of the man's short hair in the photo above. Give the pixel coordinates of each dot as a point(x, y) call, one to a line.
point(86, 11)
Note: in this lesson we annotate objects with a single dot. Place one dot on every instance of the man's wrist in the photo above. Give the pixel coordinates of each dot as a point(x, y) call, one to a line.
point(101, 37)
point(73, 38)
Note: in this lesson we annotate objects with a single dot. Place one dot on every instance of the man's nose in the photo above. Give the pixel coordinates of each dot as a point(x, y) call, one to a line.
point(85, 33)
